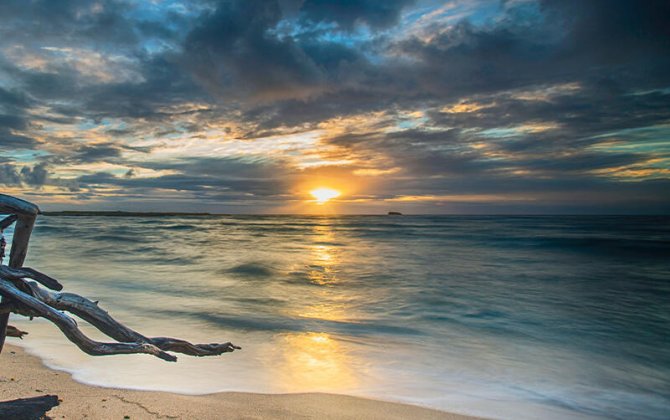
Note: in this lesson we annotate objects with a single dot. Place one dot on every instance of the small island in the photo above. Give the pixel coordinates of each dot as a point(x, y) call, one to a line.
point(394, 213)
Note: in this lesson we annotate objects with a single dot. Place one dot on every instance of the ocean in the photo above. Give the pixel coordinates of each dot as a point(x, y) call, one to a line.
point(503, 317)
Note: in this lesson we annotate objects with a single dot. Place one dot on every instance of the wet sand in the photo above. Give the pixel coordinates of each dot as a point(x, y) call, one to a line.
point(24, 376)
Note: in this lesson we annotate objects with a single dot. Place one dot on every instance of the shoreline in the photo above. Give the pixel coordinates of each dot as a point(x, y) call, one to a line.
point(23, 376)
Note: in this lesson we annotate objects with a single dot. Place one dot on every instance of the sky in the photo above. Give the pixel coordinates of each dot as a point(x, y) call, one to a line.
point(245, 106)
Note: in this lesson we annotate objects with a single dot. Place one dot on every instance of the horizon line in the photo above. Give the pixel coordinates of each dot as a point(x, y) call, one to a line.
point(127, 213)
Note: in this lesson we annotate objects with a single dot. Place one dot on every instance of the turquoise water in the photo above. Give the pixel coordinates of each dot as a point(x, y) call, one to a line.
point(535, 317)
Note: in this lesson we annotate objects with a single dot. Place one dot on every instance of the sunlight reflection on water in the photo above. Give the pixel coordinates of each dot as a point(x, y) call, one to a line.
point(315, 361)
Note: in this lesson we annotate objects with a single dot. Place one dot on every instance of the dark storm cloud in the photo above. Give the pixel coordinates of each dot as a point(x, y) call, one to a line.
point(85, 153)
point(11, 175)
point(95, 153)
point(445, 154)
point(578, 122)
point(222, 167)
point(106, 23)
point(12, 120)
point(623, 41)
point(551, 86)
point(231, 52)
point(626, 49)
point(493, 65)
point(68, 37)
point(420, 152)
point(48, 18)
point(613, 31)
point(165, 84)
point(37, 175)
point(9, 141)
point(182, 182)
point(587, 110)
point(12, 100)
point(207, 177)
point(347, 13)
point(239, 52)
point(234, 52)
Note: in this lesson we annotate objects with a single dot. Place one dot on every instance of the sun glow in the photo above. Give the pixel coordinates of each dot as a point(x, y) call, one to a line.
point(324, 194)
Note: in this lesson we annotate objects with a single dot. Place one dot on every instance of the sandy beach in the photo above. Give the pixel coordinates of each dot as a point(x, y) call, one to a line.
point(24, 376)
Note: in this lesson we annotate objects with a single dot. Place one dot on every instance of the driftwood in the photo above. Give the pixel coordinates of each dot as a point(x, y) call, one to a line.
point(15, 332)
point(28, 298)
point(23, 214)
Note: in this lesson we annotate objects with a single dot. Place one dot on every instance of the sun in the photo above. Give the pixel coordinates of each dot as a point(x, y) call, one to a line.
point(324, 194)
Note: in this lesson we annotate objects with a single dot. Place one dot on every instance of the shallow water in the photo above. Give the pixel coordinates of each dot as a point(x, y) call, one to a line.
point(552, 317)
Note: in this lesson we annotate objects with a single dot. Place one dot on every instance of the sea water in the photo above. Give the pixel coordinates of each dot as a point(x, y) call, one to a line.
point(502, 317)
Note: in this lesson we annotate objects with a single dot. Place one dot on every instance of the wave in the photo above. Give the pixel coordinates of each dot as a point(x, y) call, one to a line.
point(278, 324)
point(250, 269)
point(179, 227)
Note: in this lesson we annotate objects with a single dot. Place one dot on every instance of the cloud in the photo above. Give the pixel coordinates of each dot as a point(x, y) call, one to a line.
point(10, 141)
point(346, 14)
point(36, 176)
point(208, 179)
point(232, 53)
point(561, 103)
point(98, 152)
point(8, 175)
point(13, 120)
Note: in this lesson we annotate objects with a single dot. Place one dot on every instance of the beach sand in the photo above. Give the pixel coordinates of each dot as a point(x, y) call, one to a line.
point(24, 376)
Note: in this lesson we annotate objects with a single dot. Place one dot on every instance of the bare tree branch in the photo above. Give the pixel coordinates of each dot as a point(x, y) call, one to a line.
point(25, 272)
point(99, 318)
point(15, 332)
point(4, 223)
point(69, 327)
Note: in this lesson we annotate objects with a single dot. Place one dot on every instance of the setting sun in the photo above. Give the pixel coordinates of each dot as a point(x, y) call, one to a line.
point(324, 194)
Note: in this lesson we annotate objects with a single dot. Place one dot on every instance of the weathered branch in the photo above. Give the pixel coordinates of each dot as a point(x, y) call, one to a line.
point(69, 327)
point(184, 347)
point(26, 213)
point(15, 332)
point(99, 318)
point(7, 221)
point(25, 272)
point(13, 205)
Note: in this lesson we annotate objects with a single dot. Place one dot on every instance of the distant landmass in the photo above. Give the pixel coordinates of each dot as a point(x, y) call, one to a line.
point(124, 213)
point(394, 213)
